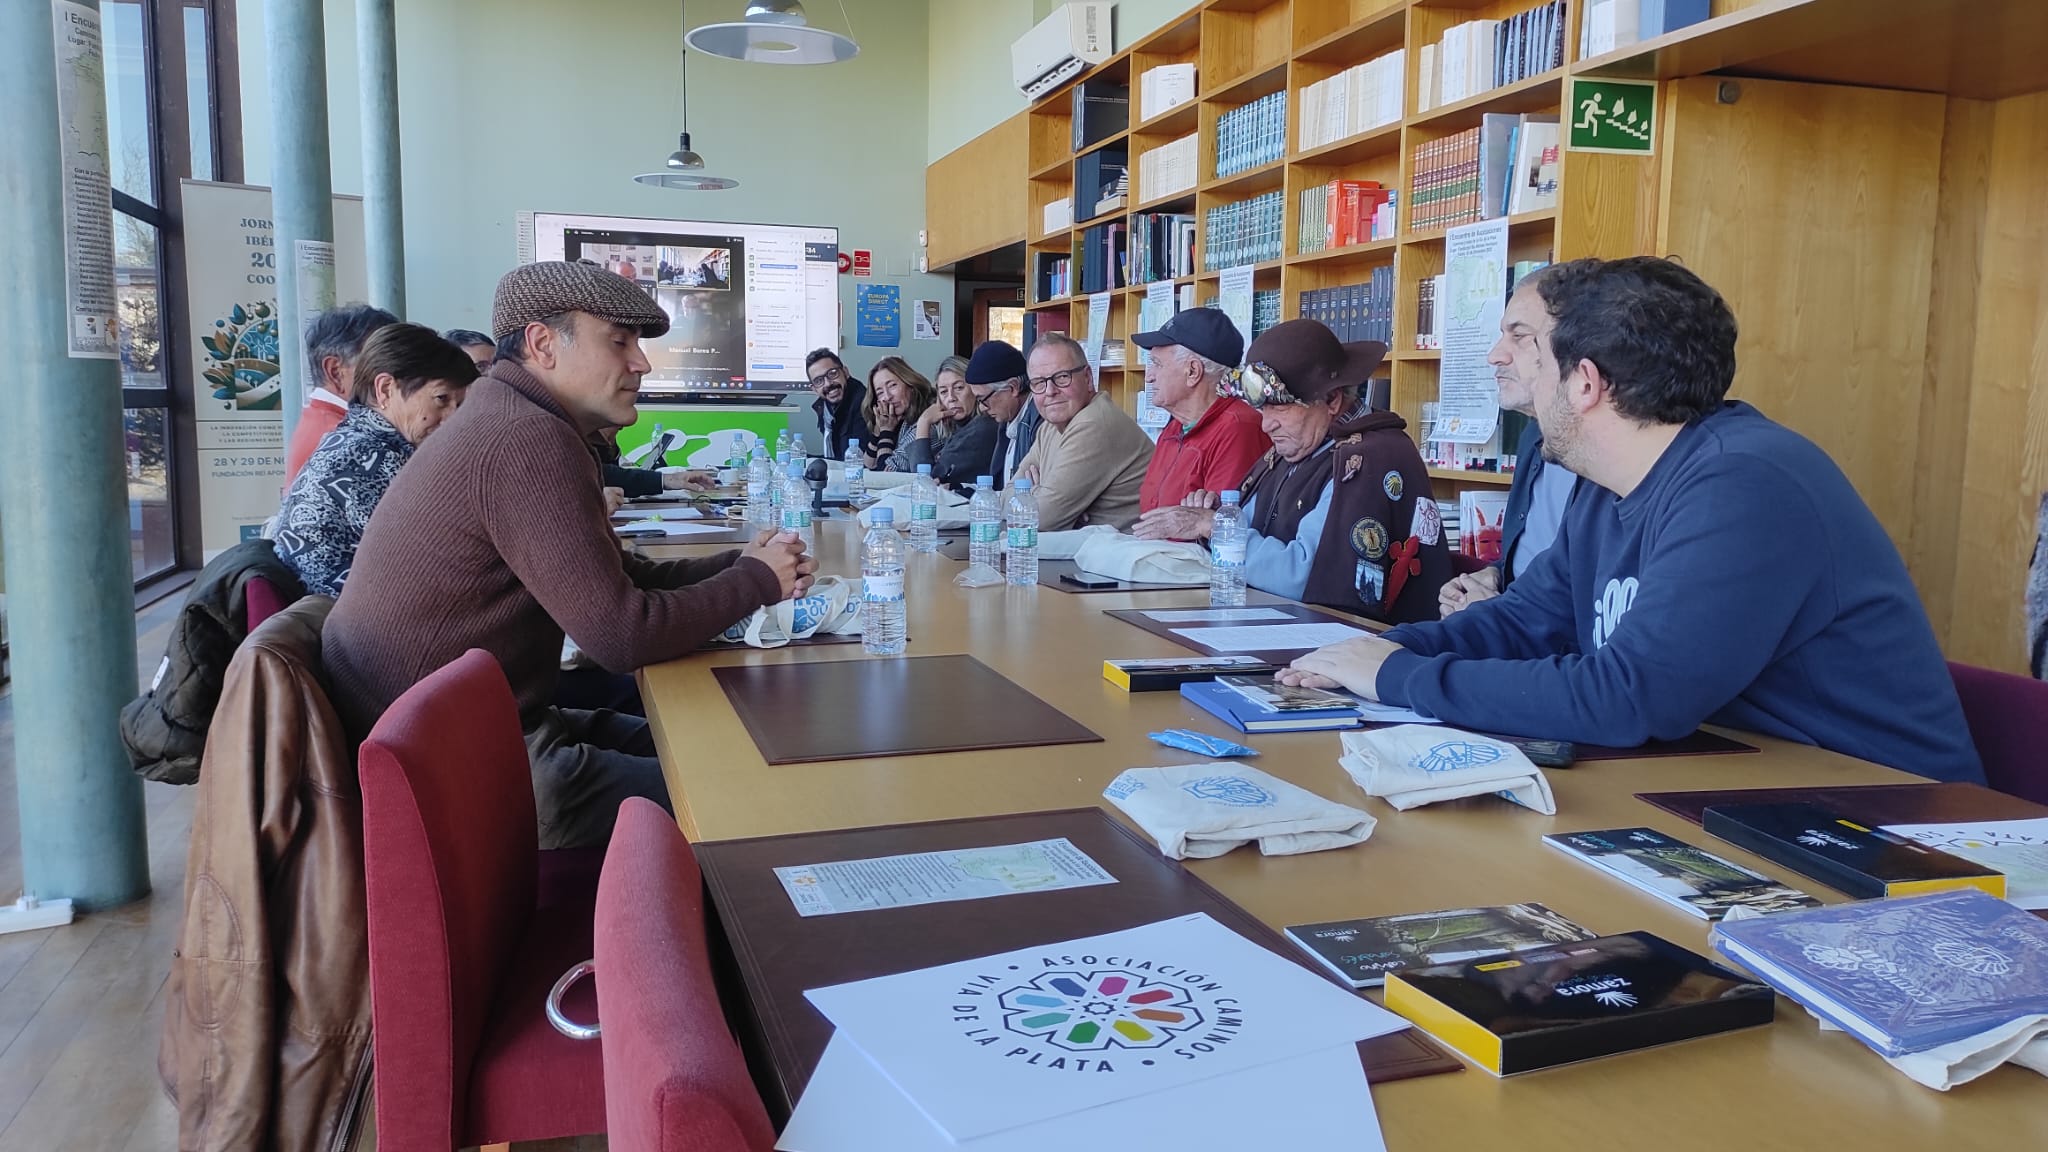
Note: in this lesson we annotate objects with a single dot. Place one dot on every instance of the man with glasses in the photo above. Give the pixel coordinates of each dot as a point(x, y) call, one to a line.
point(995, 375)
point(1340, 512)
point(838, 402)
point(1088, 463)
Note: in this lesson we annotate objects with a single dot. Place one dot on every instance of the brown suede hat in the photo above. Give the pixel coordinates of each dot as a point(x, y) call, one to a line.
point(537, 291)
point(1311, 361)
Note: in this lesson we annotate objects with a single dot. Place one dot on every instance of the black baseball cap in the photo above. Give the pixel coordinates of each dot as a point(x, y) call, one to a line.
point(1203, 331)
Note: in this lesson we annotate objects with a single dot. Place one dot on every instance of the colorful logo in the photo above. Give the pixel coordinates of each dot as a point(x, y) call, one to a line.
point(242, 358)
point(1099, 1010)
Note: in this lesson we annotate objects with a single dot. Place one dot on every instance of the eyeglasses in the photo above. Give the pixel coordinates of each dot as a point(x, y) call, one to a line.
point(831, 376)
point(1040, 385)
point(981, 399)
point(1259, 386)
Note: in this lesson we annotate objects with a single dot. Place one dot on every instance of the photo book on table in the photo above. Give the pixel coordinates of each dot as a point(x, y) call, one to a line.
point(1679, 874)
point(1362, 952)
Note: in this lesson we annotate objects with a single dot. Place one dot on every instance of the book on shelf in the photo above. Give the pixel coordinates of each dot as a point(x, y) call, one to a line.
point(1096, 175)
point(1101, 110)
point(1677, 873)
point(1480, 55)
point(1901, 975)
point(1245, 716)
point(1543, 1007)
point(1102, 250)
point(1037, 324)
point(1532, 186)
point(1444, 186)
point(1265, 309)
point(1355, 311)
point(1164, 87)
point(1168, 673)
point(1251, 135)
point(1242, 232)
point(1358, 99)
point(1862, 861)
point(1342, 213)
point(1115, 195)
point(1362, 952)
point(1611, 24)
point(1481, 512)
point(1059, 215)
point(1168, 169)
point(1054, 275)
point(1162, 246)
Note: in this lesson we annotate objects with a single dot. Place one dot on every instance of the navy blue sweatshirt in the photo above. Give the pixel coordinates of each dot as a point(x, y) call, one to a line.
point(1743, 583)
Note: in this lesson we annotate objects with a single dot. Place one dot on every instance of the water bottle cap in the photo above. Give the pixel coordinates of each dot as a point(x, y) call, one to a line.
point(984, 481)
point(924, 469)
point(853, 444)
point(1023, 484)
point(1230, 499)
point(881, 515)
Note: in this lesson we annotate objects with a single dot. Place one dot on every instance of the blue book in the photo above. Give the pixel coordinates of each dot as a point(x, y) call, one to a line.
point(1902, 975)
point(1245, 715)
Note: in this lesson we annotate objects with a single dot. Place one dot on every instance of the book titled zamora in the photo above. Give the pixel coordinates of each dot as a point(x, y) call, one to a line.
point(1864, 862)
point(1542, 1007)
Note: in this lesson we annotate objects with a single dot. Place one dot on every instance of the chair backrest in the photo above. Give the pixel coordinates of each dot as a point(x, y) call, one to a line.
point(261, 600)
point(1463, 565)
point(450, 845)
point(2008, 718)
point(674, 1081)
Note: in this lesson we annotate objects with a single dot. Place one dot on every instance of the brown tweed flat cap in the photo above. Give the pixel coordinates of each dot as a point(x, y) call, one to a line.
point(537, 291)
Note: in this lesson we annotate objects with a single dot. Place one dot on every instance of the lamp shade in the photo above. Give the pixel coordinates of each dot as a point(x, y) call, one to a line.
point(774, 32)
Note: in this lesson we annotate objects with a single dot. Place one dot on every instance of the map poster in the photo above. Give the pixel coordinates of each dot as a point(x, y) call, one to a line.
point(938, 877)
point(231, 280)
point(1475, 291)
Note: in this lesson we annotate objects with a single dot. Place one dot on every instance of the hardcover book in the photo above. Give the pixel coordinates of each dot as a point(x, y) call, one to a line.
point(1543, 1007)
point(1902, 975)
point(1865, 862)
point(1166, 673)
point(1245, 716)
point(1274, 696)
point(1678, 873)
point(1362, 952)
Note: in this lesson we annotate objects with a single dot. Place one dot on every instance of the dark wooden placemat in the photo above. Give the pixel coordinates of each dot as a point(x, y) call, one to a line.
point(780, 954)
point(1296, 614)
point(1700, 743)
point(819, 640)
point(808, 711)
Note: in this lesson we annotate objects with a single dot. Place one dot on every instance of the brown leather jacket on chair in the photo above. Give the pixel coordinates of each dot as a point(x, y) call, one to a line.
point(266, 1041)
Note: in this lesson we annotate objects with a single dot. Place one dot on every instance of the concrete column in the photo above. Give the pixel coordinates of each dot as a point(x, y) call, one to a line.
point(302, 191)
point(63, 498)
point(383, 199)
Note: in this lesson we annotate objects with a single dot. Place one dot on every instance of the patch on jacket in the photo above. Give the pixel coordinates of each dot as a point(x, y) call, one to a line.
point(1369, 539)
point(1391, 484)
point(1351, 468)
point(1429, 522)
point(1370, 581)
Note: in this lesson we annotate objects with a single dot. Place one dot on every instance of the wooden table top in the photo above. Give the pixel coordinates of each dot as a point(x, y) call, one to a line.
point(1783, 1087)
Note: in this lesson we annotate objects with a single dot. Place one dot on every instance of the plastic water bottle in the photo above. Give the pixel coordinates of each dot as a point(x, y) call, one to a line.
point(924, 511)
point(881, 586)
point(762, 505)
point(1020, 540)
point(796, 505)
point(1226, 555)
point(856, 472)
point(782, 444)
point(985, 524)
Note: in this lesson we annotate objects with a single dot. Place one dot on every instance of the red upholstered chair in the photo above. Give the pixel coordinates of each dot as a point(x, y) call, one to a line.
point(2008, 718)
point(469, 926)
point(674, 1079)
point(261, 600)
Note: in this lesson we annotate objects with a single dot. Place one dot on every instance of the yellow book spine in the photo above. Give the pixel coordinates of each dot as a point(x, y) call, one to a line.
point(1475, 1043)
point(1994, 884)
point(1116, 675)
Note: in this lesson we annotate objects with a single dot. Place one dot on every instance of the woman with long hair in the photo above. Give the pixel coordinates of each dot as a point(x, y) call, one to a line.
point(897, 396)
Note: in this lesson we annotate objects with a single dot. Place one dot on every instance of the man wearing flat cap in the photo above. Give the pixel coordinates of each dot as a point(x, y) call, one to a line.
point(1339, 513)
point(494, 536)
point(995, 375)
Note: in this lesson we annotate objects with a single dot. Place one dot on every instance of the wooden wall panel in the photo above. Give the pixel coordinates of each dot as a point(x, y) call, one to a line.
point(2006, 461)
point(1810, 207)
point(974, 196)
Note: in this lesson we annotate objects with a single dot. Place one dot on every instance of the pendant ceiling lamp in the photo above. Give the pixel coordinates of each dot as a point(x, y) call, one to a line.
point(775, 32)
point(684, 169)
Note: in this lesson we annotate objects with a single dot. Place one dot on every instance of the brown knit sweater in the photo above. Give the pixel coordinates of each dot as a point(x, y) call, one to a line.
point(494, 536)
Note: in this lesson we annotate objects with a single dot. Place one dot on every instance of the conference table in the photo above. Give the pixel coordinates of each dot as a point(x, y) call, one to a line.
point(1787, 1086)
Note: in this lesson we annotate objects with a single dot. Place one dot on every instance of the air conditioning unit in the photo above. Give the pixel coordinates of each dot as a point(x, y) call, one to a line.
point(1064, 43)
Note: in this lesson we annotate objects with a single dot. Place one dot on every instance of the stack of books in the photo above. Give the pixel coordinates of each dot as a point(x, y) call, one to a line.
point(1362, 952)
point(1260, 704)
point(1344, 212)
point(1612, 24)
point(1265, 309)
point(1355, 100)
point(1444, 189)
point(1244, 232)
point(1055, 276)
point(1428, 328)
point(1251, 135)
point(1167, 169)
point(1101, 110)
point(1480, 55)
point(1103, 266)
point(1355, 311)
point(1166, 86)
point(1059, 215)
point(1162, 246)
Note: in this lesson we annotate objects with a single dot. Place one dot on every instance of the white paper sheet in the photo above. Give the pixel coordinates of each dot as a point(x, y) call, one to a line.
point(675, 527)
point(2018, 848)
point(992, 1044)
point(641, 513)
point(1209, 615)
point(1299, 1102)
point(1377, 713)
point(1271, 637)
point(1475, 280)
point(938, 877)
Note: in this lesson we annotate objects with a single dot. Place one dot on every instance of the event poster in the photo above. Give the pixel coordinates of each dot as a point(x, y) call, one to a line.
point(231, 283)
point(879, 314)
point(1475, 290)
point(89, 301)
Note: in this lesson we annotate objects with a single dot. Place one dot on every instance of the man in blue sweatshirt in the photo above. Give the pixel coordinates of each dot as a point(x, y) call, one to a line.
point(1717, 567)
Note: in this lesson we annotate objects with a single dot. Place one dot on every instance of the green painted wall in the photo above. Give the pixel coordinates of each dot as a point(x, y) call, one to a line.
point(538, 104)
point(972, 89)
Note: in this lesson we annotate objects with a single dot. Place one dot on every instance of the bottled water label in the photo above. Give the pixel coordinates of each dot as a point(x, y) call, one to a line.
point(796, 518)
point(985, 532)
point(1020, 538)
point(1231, 553)
point(883, 589)
point(924, 512)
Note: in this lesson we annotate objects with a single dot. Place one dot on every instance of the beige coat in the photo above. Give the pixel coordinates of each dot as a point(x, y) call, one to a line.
point(1089, 472)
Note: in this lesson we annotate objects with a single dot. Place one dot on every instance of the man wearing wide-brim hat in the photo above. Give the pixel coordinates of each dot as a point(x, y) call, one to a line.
point(495, 536)
point(1340, 512)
